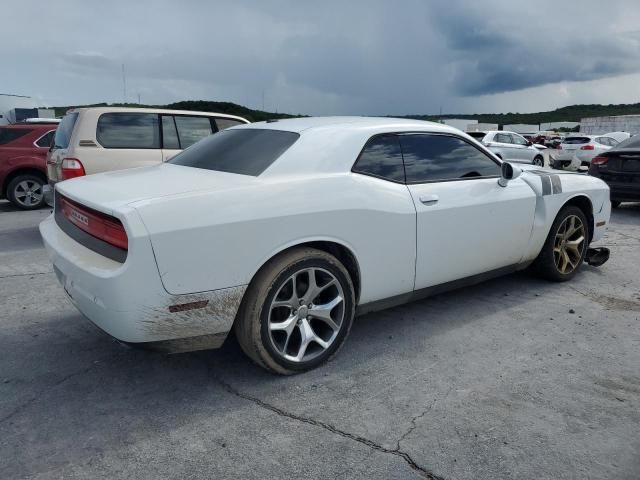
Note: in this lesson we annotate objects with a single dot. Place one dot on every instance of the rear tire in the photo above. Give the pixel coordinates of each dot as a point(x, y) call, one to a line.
point(538, 161)
point(566, 245)
point(289, 323)
point(26, 191)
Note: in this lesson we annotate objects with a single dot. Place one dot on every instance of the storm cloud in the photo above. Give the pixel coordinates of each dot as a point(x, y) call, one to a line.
point(356, 57)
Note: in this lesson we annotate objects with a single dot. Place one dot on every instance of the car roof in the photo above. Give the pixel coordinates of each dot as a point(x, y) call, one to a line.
point(343, 123)
point(151, 110)
point(329, 145)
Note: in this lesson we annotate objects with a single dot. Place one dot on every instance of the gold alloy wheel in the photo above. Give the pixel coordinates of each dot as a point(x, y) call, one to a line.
point(569, 244)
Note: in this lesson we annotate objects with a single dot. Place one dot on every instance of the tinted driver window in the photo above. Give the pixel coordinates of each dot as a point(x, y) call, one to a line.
point(430, 158)
point(382, 157)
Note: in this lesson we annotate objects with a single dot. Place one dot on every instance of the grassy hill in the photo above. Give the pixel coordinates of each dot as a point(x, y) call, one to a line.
point(573, 113)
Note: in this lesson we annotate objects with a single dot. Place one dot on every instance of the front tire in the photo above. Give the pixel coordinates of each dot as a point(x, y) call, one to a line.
point(538, 161)
point(297, 312)
point(566, 246)
point(26, 192)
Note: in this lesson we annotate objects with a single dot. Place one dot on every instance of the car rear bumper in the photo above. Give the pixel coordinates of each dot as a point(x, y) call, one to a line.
point(127, 300)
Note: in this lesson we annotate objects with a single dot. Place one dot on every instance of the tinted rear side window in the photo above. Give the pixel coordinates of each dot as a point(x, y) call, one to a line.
point(128, 130)
point(8, 135)
point(382, 157)
point(64, 130)
point(192, 129)
point(45, 140)
point(576, 140)
point(169, 133)
point(224, 123)
point(430, 158)
point(243, 151)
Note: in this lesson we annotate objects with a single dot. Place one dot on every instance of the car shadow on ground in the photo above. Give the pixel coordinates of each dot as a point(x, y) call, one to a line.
point(65, 379)
point(6, 207)
point(97, 365)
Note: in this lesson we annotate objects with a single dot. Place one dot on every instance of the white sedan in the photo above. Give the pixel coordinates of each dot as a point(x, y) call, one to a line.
point(285, 230)
point(510, 147)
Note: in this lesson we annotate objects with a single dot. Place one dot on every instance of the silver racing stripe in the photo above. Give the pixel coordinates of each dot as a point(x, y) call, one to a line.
point(551, 182)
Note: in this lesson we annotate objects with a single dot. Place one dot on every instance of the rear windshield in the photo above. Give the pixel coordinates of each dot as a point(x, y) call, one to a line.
point(631, 142)
point(64, 130)
point(576, 140)
point(8, 135)
point(477, 135)
point(245, 151)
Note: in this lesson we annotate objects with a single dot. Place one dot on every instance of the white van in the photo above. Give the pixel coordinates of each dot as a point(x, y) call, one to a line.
point(93, 140)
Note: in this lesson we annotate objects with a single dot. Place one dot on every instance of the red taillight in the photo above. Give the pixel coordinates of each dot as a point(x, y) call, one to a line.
point(599, 161)
point(587, 147)
point(72, 168)
point(104, 227)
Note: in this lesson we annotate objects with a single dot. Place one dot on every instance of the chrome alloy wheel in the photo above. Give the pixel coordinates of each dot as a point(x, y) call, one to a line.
point(569, 244)
point(306, 314)
point(28, 193)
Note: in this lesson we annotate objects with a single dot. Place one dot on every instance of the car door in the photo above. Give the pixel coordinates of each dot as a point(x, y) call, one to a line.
point(467, 224)
point(504, 143)
point(522, 152)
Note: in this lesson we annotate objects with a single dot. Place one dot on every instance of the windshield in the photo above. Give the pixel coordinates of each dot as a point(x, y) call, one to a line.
point(244, 151)
point(631, 142)
point(64, 130)
point(576, 140)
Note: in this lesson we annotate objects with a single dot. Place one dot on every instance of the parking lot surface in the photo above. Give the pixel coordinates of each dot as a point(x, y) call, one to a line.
point(513, 378)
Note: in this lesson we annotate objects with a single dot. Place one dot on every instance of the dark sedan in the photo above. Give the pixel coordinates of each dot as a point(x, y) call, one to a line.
point(620, 169)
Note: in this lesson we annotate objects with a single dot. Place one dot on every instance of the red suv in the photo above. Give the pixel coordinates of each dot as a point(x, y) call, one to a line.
point(23, 166)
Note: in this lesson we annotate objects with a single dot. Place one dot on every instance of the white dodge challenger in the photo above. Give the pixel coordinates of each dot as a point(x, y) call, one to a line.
point(285, 230)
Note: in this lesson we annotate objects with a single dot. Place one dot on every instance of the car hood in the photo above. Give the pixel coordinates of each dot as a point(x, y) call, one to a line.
point(107, 191)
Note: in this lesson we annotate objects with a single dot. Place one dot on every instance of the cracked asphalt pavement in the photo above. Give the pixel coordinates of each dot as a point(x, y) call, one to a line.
point(499, 380)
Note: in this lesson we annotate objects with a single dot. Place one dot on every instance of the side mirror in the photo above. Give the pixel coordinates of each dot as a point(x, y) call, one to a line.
point(508, 172)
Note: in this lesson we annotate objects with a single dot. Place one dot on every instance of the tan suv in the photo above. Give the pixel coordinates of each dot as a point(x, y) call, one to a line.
point(93, 140)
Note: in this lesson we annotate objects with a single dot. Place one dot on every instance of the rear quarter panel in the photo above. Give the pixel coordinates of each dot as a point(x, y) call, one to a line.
point(208, 241)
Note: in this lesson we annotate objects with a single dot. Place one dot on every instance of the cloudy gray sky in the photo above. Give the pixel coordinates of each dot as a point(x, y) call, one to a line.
point(326, 57)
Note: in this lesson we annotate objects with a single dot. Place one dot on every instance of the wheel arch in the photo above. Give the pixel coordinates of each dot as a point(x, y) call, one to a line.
point(336, 248)
point(583, 202)
point(21, 171)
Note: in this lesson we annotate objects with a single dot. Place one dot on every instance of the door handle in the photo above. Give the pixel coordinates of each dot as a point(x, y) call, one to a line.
point(429, 199)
